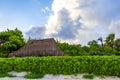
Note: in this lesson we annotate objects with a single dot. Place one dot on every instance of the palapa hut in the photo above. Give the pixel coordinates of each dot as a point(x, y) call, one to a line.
point(44, 47)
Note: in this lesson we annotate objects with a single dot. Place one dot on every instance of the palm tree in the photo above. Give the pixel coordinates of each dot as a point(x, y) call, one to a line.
point(92, 43)
point(110, 40)
point(117, 43)
point(101, 40)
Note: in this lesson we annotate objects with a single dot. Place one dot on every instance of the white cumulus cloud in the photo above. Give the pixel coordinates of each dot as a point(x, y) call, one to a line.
point(115, 27)
point(35, 32)
point(79, 21)
point(46, 9)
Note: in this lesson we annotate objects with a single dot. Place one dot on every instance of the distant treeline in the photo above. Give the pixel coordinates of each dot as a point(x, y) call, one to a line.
point(11, 40)
point(110, 46)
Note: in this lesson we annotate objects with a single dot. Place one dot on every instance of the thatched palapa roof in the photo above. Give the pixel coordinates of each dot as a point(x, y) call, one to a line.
point(44, 47)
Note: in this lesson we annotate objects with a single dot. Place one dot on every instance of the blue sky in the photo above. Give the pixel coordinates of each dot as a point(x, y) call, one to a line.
point(23, 13)
point(73, 21)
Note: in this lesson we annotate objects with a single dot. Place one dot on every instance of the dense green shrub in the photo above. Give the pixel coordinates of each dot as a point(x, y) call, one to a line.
point(104, 65)
point(88, 76)
point(6, 75)
point(34, 76)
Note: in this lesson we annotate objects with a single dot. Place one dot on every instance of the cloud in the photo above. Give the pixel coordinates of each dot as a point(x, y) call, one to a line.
point(80, 21)
point(68, 29)
point(99, 12)
point(45, 9)
point(35, 32)
point(60, 23)
point(115, 27)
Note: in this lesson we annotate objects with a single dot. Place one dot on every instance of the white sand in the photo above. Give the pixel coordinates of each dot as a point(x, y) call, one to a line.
point(20, 76)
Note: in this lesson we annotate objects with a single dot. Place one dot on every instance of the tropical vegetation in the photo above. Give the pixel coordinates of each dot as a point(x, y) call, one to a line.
point(12, 40)
point(97, 65)
point(110, 47)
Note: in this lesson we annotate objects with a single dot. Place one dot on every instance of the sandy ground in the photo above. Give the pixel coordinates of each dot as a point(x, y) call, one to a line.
point(20, 76)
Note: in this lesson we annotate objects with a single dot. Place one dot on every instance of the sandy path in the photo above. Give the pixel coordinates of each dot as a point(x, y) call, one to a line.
point(20, 76)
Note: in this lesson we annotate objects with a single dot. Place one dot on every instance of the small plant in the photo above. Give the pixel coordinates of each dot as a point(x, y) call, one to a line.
point(75, 74)
point(6, 75)
point(101, 76)
point(88, 76)
point(34, 76)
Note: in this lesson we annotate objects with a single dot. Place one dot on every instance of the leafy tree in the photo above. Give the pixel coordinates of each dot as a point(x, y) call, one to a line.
point(117, 43)
point(72, 49)
point(109, 50)
point(10, 40)
point(94, 48)
point(86, 49)
point(92, 43)
point(110, 40)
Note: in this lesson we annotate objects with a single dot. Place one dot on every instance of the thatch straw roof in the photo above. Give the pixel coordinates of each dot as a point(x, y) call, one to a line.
point(44, 47)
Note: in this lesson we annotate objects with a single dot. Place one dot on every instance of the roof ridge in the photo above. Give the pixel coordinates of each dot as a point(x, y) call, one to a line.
point(44, 39)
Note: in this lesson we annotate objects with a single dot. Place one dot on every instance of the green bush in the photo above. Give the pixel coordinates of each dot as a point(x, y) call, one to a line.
point(89, 76)
point(98, 65)
point(34, 76)
point(6, 75)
